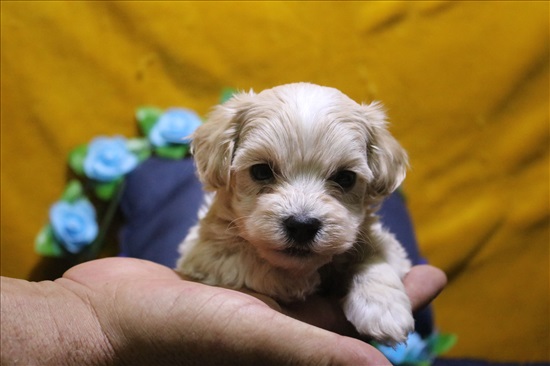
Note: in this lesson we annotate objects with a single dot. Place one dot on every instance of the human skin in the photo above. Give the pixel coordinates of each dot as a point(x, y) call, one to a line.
point(135, 312)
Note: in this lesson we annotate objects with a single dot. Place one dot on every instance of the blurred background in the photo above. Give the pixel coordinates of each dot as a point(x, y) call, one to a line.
point(466, 86)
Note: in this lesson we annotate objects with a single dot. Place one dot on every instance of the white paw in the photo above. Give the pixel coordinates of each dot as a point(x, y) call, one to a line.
point(381, 312)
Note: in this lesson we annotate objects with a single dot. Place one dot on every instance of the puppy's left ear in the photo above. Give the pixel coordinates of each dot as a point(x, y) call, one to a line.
point(386, 158)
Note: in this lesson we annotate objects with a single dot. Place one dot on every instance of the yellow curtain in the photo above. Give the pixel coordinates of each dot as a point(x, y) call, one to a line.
point(465, 85)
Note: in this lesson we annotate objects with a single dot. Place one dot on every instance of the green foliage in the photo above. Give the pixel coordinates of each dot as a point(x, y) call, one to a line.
point(227, 93)
point(442, 343)
point(106, 191)
point(147, 117)
point(46, 245)
point(77, 157)
point(172, 151)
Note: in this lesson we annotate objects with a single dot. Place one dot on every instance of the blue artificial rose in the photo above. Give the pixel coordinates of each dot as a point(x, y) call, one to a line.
point(174, 127)
point(413, 351)
point(417, 349)
point(108, 159)
point(74, 224)
point(395, 355)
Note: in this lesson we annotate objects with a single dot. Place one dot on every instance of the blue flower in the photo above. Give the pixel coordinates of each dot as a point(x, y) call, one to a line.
point(413, 351)
point(74, 224)
point(174, 127)
point(108, 159)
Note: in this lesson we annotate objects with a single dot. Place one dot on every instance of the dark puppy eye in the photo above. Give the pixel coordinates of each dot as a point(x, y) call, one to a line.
point(261, 172)
point(344, 178)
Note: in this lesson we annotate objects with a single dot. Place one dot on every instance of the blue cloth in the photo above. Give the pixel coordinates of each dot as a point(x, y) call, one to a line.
point(160, 204)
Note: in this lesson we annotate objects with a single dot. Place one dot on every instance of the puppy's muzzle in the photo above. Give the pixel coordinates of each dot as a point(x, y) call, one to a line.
point(301, 230)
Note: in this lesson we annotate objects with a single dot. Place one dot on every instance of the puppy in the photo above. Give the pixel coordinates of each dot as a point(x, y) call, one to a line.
point(298, 172)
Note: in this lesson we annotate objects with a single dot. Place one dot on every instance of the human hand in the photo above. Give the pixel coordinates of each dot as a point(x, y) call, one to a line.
point(423, 283)
point(149, 315)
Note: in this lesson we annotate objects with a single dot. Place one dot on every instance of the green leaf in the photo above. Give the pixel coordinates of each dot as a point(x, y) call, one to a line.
point(77, 157)
point(46, 245)
point(227, 93)
point(140, 147)
point(73, 191)
point(147, 117)
point(172, 151)
point(443, 343)
point(105, 191)
point(143, 155)
point(423, 363)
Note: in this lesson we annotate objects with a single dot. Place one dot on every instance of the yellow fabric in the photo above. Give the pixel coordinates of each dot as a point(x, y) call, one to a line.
point(465, 85)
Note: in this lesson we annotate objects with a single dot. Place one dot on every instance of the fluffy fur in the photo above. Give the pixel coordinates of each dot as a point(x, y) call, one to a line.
point(297, 173)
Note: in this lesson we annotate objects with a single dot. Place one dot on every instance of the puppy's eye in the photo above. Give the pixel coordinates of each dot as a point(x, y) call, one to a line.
point(344, 178)
point(261, 172)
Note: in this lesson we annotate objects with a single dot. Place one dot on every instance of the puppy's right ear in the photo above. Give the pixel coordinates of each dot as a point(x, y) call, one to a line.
point(214, 142)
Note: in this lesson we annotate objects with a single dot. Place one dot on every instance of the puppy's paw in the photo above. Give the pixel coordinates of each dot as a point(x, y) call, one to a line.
point(381, 312)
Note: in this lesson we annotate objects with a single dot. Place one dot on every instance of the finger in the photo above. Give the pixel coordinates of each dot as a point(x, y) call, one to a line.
point(423, 283)
point(322, 312)
point(273, 338)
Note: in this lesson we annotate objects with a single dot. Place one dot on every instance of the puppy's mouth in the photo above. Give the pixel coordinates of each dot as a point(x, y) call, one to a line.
point(298, 251)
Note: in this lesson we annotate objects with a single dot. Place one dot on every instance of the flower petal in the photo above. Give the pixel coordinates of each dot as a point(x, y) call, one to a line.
point(174, 127)
point(74, 224)
point(108, 159)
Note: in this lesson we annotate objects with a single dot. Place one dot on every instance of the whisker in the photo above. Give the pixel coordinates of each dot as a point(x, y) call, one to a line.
point(235, 223)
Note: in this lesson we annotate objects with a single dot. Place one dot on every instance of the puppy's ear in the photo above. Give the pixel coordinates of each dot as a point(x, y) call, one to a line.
point(386, 158)
point(215, 141)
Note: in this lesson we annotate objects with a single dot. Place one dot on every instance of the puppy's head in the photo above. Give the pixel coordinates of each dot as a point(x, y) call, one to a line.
point(301, 164)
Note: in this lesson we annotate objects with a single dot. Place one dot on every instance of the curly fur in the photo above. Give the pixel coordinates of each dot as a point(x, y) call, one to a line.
point(307, 134)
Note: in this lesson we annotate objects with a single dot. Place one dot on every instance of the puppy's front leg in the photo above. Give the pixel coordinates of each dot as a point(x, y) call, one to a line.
point(377, 304)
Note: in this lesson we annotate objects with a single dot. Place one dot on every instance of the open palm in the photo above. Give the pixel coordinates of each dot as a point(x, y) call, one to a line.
point(151, 316)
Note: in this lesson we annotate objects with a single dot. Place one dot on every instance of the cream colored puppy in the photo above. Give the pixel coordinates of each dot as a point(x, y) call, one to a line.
point(298, 172)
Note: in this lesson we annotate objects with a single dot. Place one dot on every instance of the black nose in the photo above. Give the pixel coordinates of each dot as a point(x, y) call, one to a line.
point(301, 229)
